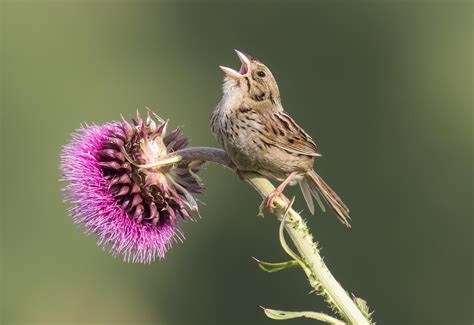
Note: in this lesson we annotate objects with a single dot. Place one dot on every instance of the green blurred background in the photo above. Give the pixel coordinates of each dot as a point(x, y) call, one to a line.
point(384, 87)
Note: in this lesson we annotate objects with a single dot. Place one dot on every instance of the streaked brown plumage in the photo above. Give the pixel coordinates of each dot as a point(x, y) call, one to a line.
point(259, 136)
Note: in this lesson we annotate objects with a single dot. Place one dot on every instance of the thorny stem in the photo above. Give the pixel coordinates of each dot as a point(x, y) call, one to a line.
point(323, 281)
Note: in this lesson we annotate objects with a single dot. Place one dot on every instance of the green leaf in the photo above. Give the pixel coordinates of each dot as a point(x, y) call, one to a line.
point(275, 267)
point(283, 315)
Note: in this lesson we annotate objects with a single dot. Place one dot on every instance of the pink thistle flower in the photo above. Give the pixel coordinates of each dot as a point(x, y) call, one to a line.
point(127, 189)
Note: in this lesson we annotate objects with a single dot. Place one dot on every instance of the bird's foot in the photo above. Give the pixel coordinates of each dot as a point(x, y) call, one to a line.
point(269, 200)
point(237, 171)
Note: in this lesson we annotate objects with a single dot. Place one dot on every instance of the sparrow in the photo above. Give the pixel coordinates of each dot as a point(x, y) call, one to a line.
point(259, 136)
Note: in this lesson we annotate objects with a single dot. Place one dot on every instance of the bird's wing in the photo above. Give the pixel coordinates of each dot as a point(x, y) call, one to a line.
point(280, 130)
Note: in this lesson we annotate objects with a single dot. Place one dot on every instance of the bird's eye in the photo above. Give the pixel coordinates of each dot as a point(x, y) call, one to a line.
point(261, 74)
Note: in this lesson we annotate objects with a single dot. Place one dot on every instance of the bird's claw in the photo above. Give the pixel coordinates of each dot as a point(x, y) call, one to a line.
point(269, 200)
point(237, 171)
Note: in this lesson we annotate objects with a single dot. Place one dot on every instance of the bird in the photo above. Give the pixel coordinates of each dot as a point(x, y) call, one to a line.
point(259, 136)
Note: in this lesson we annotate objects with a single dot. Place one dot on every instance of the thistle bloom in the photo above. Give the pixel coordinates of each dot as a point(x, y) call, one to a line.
point(127, 189)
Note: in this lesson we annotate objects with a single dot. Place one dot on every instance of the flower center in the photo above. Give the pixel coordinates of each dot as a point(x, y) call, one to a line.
point(148, 183)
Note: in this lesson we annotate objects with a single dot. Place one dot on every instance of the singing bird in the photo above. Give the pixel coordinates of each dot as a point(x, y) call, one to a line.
point(259, 136)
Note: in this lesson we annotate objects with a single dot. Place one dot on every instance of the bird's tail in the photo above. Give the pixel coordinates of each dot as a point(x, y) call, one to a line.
point(312, 185)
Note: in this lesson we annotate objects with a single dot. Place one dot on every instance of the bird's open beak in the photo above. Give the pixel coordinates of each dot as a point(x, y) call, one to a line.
point(244, 69)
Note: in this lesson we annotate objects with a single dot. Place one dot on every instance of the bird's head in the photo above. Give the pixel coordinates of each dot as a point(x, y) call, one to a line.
point(254, 79)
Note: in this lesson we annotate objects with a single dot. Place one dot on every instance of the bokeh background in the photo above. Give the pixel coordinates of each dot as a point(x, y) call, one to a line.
point(384, 87)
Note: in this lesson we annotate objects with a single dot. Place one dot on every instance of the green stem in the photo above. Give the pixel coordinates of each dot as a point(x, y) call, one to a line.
point(324, 283)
